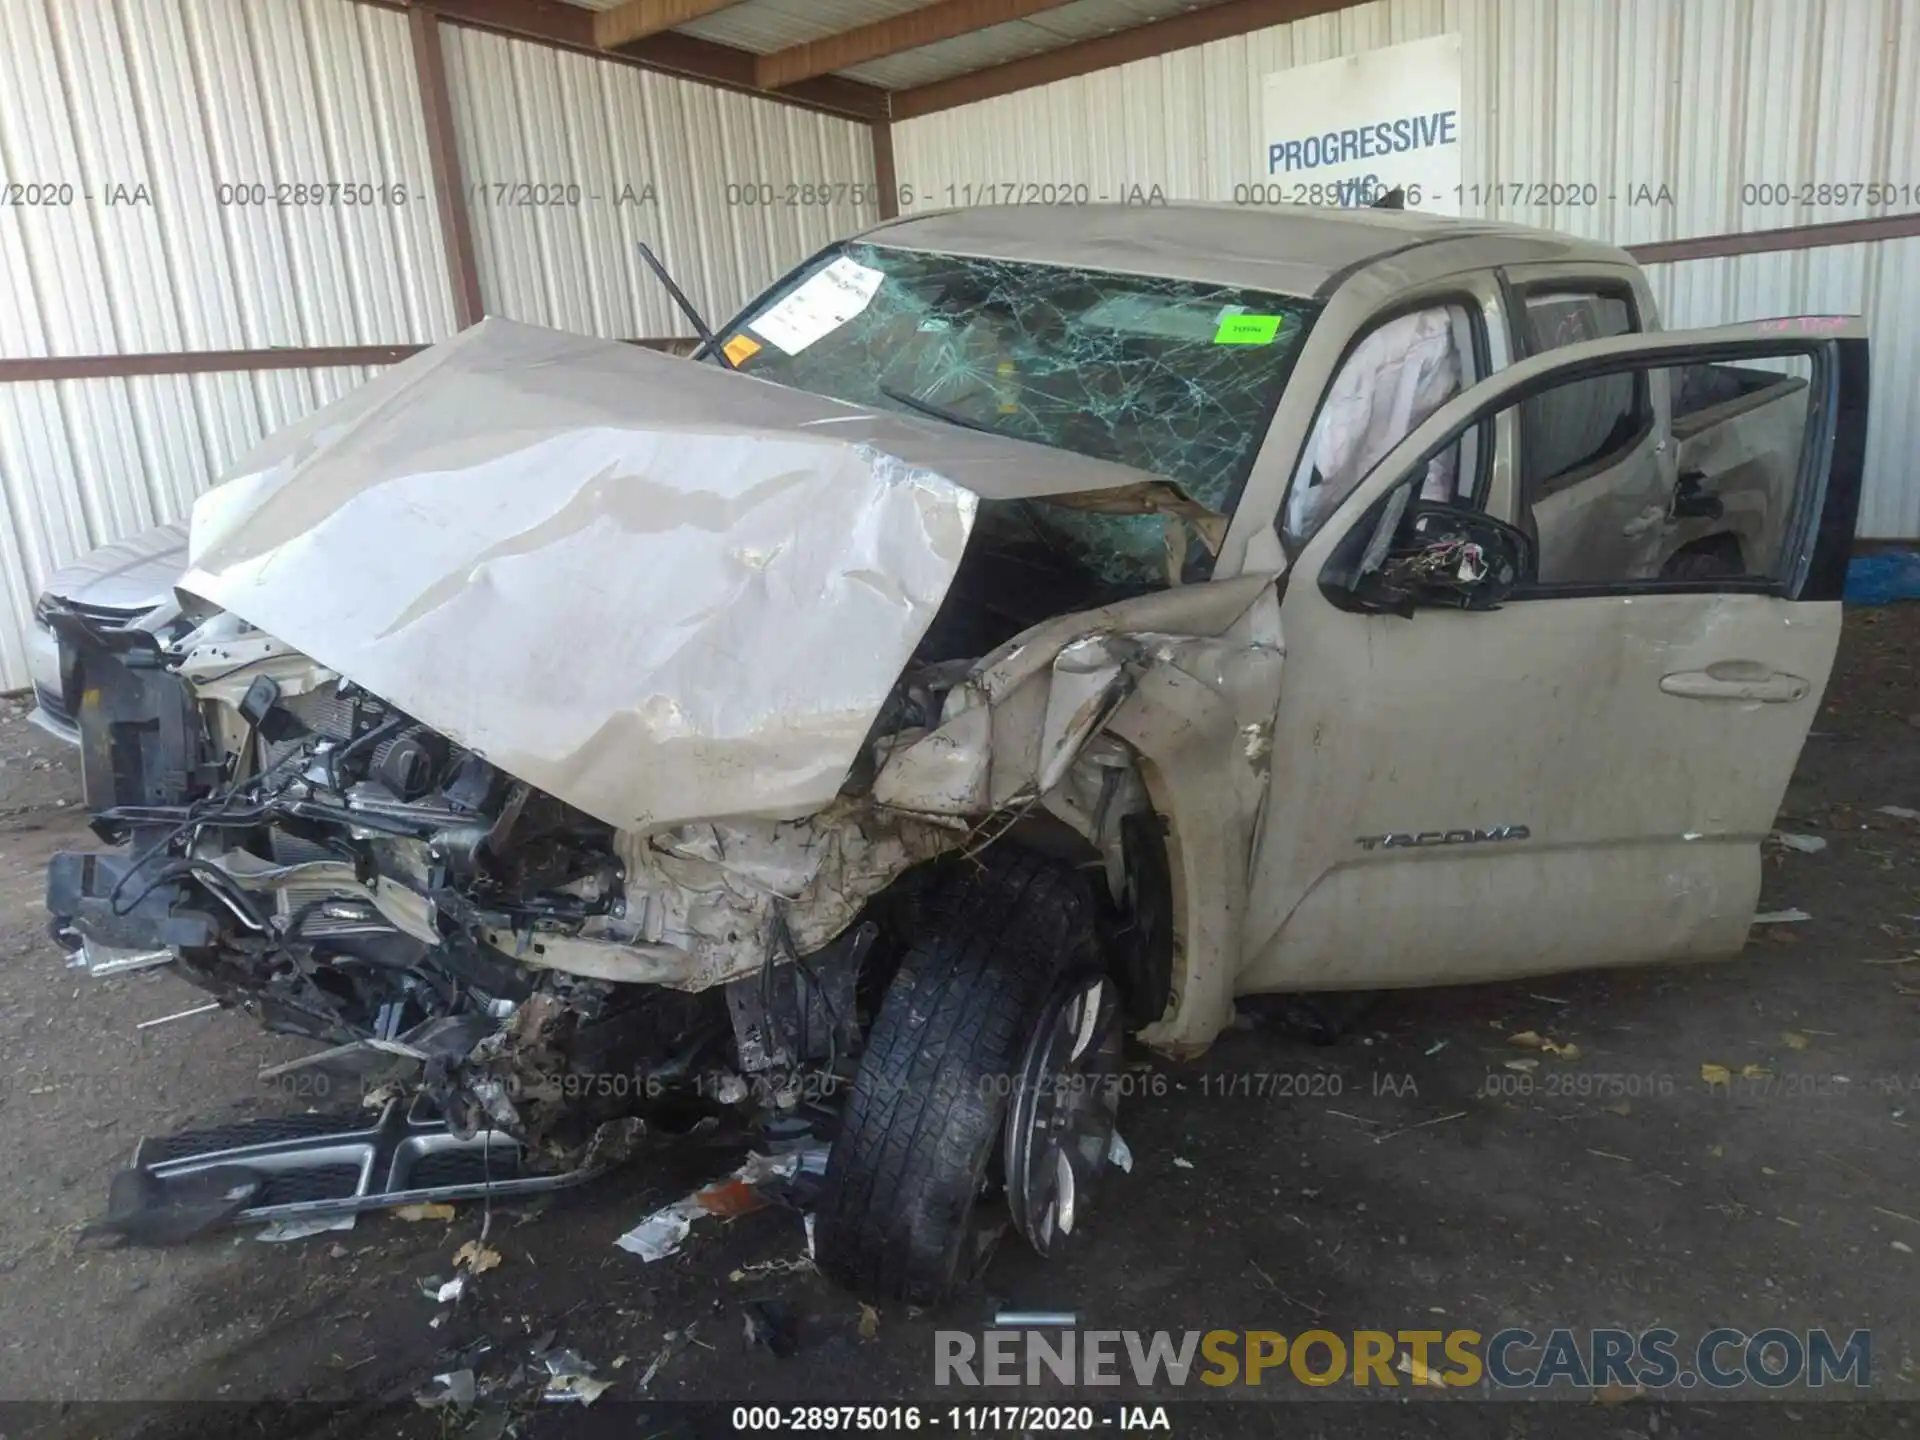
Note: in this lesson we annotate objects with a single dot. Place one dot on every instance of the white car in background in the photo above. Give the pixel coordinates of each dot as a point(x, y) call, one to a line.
point(114, 586)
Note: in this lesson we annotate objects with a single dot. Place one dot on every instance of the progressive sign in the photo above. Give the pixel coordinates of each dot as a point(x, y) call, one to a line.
point(1347, 131)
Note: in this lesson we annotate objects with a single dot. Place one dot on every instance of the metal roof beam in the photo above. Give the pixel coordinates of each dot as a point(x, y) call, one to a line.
point(569, 27)
point(638, 19)
point(944, 21)
point(1142, 42)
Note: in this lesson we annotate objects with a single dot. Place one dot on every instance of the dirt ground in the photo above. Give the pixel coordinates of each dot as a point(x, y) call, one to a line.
point(1420, 1186)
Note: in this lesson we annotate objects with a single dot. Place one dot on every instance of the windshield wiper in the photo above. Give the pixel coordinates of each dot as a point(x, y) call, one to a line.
point(709, 343)
point(938, 412)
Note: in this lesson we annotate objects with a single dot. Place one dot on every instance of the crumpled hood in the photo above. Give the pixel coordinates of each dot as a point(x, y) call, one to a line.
point(657, 590)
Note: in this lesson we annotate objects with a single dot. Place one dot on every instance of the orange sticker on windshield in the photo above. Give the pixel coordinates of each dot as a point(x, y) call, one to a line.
point(741, 348)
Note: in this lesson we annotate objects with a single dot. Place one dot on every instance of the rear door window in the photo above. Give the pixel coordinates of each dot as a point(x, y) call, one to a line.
point(1578, 429)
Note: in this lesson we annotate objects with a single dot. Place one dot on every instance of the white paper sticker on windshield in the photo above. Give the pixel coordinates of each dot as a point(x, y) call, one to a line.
point(821, 305)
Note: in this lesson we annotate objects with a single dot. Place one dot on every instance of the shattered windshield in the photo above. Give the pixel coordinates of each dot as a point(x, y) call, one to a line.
point(1178, 378)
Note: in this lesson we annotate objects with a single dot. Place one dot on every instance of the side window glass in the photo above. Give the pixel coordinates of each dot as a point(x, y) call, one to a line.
point(1571, 433)
point(1721, 510)
point(1401, 372)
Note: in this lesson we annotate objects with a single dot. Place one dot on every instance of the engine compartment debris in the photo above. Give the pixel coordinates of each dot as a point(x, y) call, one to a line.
point(662, 1233)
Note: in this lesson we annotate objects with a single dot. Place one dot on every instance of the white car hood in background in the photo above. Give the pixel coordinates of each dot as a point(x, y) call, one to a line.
point(655, 589)
point(133, 575)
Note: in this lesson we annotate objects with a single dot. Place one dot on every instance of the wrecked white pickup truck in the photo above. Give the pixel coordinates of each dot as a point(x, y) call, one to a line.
point(1019, 628)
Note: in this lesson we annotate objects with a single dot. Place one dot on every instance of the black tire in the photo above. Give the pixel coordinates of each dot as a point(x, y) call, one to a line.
point(896, 1218)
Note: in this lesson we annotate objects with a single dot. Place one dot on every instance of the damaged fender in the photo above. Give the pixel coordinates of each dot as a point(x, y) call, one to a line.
point(1185, 677)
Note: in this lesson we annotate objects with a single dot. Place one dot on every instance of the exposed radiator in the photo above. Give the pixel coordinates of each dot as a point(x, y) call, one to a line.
point(291, 850)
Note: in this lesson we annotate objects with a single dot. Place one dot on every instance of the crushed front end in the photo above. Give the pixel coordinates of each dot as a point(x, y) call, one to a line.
point(574, 743)
point(315, 856)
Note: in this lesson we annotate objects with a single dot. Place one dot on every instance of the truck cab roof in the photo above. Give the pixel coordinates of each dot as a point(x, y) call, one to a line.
point(1287, 249)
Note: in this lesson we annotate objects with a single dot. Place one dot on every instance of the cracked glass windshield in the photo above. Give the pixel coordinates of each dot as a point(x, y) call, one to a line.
point(1174, 377)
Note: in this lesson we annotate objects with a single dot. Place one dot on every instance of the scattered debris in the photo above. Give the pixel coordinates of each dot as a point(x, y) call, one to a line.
point(800, 1264)
point(1182, 1164)
point(771, 1324)
point(1715, 1074)
point(1614, 1393)
point(1899, 812)
point(1895, 1214)
point(869, 1322)
point(662, 1233)
point(443, 1291)
point(1436, 1047)
point(456, 1389)
point(178, 1015)
point(675, 1341)
point(423, 1212)
point(1902, 1247)
point(279, 1231)
point(477, 1257)
point(1794, 1040)
point(1781, 917)
point(1436, 1120)
point(1346, 1115)
point(1754, 1072)
point(143, 1209)
point(1805, 844)
point(101, 961)
point(1624, 1107)
point(1422, 1373)
point(1528, 1064)
point(1609, 1155)
point(570, 1379)
point(1119, 1155)
point(1035, 1319)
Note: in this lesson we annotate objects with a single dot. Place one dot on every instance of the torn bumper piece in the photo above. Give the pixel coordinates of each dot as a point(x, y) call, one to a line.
point(314, 1167)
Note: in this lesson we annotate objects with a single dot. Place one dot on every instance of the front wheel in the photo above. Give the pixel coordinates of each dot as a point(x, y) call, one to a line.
point(900, 1214)
point(1061, 1124)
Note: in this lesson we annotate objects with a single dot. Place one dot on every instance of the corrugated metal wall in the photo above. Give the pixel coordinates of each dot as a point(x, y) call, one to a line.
point(86, 461)
point(147, 109)
point(184, 97)
point(1701, 96)
point(558, 151)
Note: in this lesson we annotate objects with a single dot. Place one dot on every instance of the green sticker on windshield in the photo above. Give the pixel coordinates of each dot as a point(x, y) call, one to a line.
point(1248, 329)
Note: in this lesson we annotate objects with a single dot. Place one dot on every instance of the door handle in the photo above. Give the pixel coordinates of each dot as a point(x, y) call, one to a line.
point(1738, 680)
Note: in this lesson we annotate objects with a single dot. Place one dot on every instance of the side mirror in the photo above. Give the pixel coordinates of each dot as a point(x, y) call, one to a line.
point(1422, 553)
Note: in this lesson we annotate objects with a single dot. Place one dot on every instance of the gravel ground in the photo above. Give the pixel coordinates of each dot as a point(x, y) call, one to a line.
point(1437, 1189)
